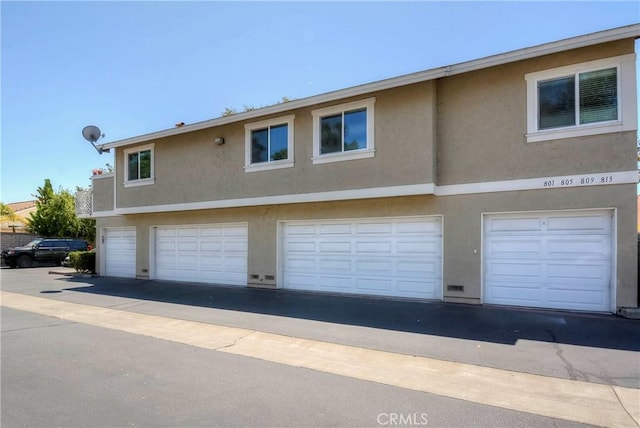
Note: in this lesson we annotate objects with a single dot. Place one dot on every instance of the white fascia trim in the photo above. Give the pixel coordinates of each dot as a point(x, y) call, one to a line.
point(629, 31)
point(103, 214)
point(338, 195)
point(556, 182)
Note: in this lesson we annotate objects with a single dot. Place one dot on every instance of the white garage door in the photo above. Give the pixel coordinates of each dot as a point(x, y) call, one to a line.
point(551, 260)
point(215, 253)
point(387, 257)
point(119, 249)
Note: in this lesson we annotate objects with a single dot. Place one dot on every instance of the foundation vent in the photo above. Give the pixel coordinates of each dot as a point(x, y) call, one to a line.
point(269, 277)
point(253, 276)
point(459, 288)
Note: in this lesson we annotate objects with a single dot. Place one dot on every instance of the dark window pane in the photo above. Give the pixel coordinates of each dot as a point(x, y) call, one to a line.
point(278, 142)
point(599, 96)
point(331, 134)
point(133, 166)
point(259, 145)
point(557, 103)
point(355, 129)
point(145, 164)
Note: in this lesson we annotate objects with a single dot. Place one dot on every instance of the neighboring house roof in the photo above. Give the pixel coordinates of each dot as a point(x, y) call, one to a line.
point(23, 211)
point(18, 207)
point(629, 31)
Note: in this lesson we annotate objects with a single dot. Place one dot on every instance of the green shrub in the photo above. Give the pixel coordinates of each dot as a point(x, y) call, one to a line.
point(83, 261)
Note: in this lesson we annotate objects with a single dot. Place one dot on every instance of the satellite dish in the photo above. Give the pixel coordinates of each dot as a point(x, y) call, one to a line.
point(92, 134)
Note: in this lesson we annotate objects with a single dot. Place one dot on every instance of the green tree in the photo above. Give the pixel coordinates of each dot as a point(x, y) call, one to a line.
point(7, 214)
point(55, 215)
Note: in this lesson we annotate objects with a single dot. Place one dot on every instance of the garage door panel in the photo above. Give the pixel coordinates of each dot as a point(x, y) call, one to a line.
point(569, 246)
point(187, 233)
point(418, 227)
point(573, 299)
point(391, 257)
point(374, 247)
point(514, 270)
point(301, 247)
point(514, 224)
point(408, 287)
point(374, 265)
point(335, 265)
point(334, 282)
point(211, 246)
point(579, 271)
point(372, 283)
point(419, 248)
point(578, 247)
point(567, 263)
point(514, 247)
point(425, 269)
point(525, 292)
point(240, 231)
point(210, 262)
point(334, 247)
point(235, 247)
point(373, 228)
point(578, 223)
point(210, 232)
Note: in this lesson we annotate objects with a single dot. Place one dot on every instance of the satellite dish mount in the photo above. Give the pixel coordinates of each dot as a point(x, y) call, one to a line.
point(92, 134)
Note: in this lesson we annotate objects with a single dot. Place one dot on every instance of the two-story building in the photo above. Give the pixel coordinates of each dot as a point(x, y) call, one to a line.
point(506, 180)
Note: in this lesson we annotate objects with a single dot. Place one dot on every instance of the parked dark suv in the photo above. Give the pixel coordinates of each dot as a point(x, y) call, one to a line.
point(44, 250)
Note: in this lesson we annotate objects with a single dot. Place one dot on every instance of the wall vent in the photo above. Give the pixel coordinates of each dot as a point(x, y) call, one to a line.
point(455, 288)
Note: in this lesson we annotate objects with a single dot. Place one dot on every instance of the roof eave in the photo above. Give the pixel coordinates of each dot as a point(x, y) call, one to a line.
point(629, 31)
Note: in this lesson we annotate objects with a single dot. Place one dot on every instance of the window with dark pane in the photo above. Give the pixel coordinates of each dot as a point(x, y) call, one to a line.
point(133, 166)
point(259, 145)
point(145, 164)
point(355, 129)
point(331, 134)
point(278, 142)
point(557, 103)
point(599, 96)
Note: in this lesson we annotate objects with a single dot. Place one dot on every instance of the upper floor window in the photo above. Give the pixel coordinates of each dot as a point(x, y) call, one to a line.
point(582, 99)
point(343, 132)
point(138, 165)
point(269, 144)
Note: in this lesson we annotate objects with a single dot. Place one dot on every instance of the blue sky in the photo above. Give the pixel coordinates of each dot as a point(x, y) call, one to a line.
point(138, 67)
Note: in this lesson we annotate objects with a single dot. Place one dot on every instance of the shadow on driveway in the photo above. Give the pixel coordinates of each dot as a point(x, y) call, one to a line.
point(481, 323)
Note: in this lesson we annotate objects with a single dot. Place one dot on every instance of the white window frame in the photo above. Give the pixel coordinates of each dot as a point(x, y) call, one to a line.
point(269, 164)
point(139, 181)
point(627, 104)
point(367, 152)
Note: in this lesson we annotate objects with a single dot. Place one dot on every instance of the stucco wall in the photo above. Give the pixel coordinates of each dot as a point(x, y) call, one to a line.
point(102, 193)
point(192, 168)
point(482, 122)
point(462, 232)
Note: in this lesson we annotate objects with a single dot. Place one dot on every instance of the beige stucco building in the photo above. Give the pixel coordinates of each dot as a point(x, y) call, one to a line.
point(506, 180)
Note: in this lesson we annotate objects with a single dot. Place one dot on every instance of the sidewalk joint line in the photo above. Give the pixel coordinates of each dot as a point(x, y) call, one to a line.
point(623, 406)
